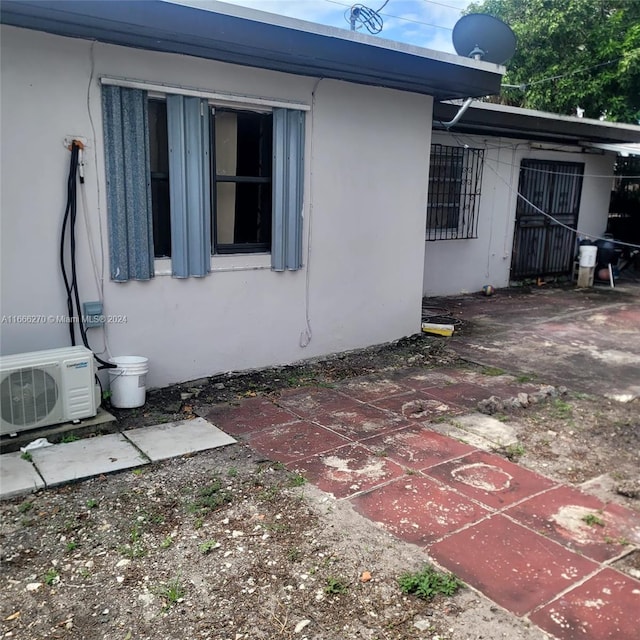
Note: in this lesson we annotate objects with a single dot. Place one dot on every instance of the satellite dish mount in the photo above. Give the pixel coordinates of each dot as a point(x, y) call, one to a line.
point(481, 37)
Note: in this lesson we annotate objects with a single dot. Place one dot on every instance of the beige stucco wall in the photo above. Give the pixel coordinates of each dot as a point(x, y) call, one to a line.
point(461, 266)
point(365, 196)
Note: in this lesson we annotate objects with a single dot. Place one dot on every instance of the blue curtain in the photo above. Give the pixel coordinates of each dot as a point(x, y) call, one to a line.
point(287, 188)
point(126, 140)
point(189, 176)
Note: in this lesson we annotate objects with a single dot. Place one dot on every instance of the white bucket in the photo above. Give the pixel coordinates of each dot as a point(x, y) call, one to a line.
point(128, 381)
point(588, 255)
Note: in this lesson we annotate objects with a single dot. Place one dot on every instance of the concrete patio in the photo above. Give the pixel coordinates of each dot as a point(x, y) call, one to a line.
point(410, 452)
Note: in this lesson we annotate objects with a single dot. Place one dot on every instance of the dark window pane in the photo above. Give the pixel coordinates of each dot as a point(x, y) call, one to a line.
point(159, 161)
point(242, 181)
point(243, 214)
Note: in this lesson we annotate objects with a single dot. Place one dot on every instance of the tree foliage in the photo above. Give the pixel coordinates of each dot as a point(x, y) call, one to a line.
point(573, 53)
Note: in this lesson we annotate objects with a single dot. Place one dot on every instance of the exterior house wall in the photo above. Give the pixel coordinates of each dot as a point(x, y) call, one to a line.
point(366, 168)
point(460, 266)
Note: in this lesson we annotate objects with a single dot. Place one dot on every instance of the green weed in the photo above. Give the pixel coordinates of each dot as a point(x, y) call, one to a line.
point(492, 371)
point(51, 577)
point(514, 452)
point(171, 592)
point(294, 554)
point(26, 455)
point(69, 437)
point(209, 499)
point(25, 506)
point(167, 542)
point(296, 480)
point(335, 586)
point(593, 520)
point(208, 546)
point(71, 546)
point(428, 583)
point(91, 503)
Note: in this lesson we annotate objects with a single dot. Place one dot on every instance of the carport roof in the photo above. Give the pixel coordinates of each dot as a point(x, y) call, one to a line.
point(486, 118)
point(254, 38)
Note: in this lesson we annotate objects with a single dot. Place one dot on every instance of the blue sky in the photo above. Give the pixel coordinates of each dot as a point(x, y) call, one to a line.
point(425, 23)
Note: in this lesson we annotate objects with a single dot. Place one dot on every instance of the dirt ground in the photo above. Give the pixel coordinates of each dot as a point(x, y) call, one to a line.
point(223, 545)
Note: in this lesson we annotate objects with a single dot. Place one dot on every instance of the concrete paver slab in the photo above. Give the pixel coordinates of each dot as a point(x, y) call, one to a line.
point(416, 405)
point(17, 476)
point(499, 433)
point(423, 378)
point(456, 433)
point(600, 609)
point(309, 401)
point(290, 442)
point(86, 458)
point(251, 415)
point(417, 509)
point(490, 479)
point(369, 389)
point(580, 522)
point(417, 447)
point(348, 470)
point(517, 568)
point(463, 394)
point(361, 421)
point(163, 441)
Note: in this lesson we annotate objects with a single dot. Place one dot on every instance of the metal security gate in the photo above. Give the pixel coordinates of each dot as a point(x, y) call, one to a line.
point(541, 246)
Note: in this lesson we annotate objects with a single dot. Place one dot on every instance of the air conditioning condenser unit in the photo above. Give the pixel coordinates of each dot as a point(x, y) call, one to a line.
point(43, 388)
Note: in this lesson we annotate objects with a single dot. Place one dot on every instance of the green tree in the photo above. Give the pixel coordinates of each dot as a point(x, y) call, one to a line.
point(573, 53)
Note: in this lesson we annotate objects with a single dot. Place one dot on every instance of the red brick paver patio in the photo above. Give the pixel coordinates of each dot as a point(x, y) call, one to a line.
point(518, 537)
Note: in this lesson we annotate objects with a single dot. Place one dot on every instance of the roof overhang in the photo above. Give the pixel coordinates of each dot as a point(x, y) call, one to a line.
point(623, 150)
point(513, 122)
point(254, 38)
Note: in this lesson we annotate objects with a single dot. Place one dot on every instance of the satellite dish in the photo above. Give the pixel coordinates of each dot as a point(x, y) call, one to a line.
point(483, 37)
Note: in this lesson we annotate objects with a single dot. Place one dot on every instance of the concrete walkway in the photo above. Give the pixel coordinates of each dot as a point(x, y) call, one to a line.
point(63, 463)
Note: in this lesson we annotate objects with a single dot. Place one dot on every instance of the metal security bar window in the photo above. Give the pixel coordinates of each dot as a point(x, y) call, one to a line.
point(455, 177)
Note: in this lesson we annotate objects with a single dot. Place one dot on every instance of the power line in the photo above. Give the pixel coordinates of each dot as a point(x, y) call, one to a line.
point(509, 186)
point(525, 85)
point(442, 4)
point(389, 15)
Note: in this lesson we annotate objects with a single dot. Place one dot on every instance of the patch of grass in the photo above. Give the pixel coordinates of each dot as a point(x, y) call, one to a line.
point(133, 551)
point(428, 583)
point(171, 592)
point(593, 520)
point(526, 377)
point(138, 472)
point(335, 586)
point(269, 494)
point(51, 577)
point(208, 546)
point(25, 507)
point(514, 452)
point(209, 498)
point(296, 480)
point(198, 523)
point(167, 542)
point(232, 472)
point(69, 437)
point(136, 533)
point(91, 503)
point(562, 409)
point(294, 554)
point(492, 371)
point(26, 455)
point(71, 546)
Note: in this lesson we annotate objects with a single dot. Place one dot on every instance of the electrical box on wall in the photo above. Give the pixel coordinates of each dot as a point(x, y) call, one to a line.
point(92, 314)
